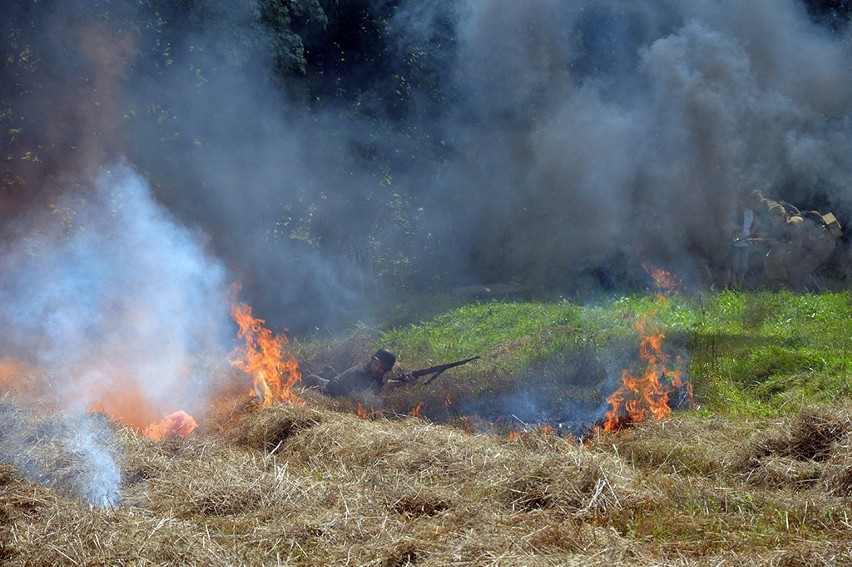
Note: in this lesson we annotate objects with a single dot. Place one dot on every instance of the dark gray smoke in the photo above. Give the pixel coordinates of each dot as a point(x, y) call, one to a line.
point(575, 141)
point(595, 134)
point(556, 143)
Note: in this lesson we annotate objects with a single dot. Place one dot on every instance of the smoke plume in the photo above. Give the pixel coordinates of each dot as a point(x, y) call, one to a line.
point(115, 300)
point(547, 142)
point(592, 135)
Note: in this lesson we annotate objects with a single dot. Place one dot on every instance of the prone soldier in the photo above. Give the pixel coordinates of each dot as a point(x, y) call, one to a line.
point(366, 377)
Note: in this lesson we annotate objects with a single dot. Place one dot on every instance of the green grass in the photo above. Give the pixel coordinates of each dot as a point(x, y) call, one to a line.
point(746, 353)
point(531, 330)
point(773, 352)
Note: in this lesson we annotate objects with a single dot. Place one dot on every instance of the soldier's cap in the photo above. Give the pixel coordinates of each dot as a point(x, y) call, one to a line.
point(385, 357)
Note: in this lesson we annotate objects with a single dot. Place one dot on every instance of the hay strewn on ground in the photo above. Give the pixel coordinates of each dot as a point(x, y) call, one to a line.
point(309, 485)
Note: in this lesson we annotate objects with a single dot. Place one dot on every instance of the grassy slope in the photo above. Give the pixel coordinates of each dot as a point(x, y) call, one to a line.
point(761, 473)
point(748, 354)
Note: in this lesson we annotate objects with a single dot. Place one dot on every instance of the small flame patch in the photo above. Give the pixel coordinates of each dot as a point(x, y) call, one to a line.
point(273, 368)
point(647, 395)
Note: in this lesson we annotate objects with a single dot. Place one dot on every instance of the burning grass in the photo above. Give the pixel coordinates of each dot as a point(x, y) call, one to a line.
point(313, 486)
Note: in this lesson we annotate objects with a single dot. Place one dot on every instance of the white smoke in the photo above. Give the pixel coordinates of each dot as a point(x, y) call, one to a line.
point(120, 305)
point(77, 453)
point(92, 445)
point(113, 296)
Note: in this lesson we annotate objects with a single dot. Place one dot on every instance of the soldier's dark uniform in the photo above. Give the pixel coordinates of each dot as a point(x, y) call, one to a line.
point(367, 377)
point(351, 380)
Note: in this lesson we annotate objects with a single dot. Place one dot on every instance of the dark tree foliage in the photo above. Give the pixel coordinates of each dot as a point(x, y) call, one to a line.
point(74, 72)
point(361, 69)
point(56, 108)
point(835, 14)
point(347, 56)
point(354, 58)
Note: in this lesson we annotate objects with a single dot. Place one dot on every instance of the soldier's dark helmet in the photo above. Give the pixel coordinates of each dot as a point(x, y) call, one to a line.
point(385, 357)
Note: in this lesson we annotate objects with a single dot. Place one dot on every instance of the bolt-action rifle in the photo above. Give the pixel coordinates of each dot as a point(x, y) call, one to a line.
point(435, 371)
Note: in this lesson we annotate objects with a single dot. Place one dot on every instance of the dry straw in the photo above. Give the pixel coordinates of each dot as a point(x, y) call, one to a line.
point(313, 486)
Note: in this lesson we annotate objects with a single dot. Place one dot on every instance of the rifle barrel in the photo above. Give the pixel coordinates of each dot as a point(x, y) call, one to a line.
point(438, 369)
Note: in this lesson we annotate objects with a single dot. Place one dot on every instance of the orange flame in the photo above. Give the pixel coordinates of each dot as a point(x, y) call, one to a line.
point(646, 396)
point(448, 401)
point(462, 422)
point(418, 410)
point(9, 369)
point(663, 280)
point(514, 435)
point(177, 423)
point(274, 370)
point(364, 414)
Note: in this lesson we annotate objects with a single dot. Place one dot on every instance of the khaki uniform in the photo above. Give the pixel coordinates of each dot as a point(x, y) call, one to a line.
point(818, 245)
point(785, 247)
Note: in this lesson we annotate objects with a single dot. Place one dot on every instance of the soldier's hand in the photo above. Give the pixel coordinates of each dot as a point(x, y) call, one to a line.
point(400, 380)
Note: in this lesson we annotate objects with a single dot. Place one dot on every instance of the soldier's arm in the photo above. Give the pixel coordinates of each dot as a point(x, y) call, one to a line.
point(341, 384)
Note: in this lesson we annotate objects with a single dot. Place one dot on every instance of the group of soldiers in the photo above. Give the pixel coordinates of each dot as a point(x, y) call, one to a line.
point(791, 244)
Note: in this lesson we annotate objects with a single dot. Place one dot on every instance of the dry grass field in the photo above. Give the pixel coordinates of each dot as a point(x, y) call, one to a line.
point(312, 485)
